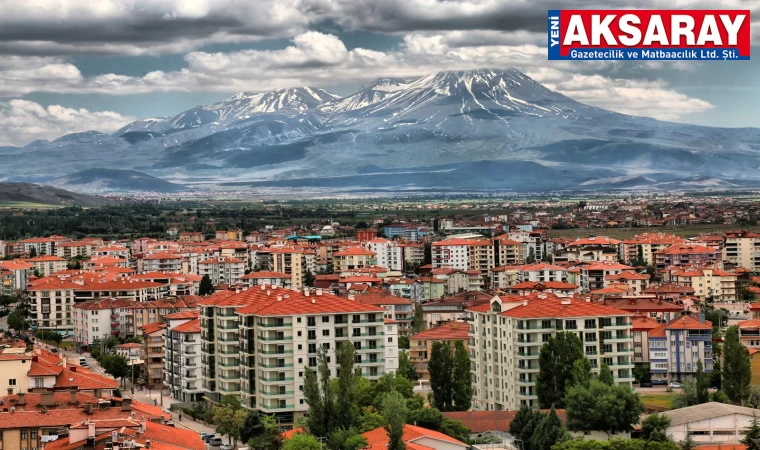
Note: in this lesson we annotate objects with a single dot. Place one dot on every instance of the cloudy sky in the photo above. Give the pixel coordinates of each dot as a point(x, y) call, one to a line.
point(73, 65)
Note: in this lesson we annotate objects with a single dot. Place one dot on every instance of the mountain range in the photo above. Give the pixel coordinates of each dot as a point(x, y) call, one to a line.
point(452, 131)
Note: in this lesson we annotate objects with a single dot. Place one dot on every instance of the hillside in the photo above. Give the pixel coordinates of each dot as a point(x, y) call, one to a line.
point(470, 130)
point(103, 181)
point(30, 195)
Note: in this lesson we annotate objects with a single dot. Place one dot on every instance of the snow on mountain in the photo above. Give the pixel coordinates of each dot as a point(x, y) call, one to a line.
point(366, 96)
point(409, 132)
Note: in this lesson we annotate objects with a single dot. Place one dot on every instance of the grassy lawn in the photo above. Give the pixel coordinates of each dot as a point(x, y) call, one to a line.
point(12, 204)
point(664, 399)
point(66, 345)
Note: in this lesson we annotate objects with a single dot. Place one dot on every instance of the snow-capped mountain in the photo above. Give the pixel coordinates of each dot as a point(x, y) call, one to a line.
point(468, 130)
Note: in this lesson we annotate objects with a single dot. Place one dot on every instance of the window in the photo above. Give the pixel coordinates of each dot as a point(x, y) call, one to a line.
point(298, 320)
point(300, 360)
point(589, 323)
point(299, 334)
point(325, 319)
point(325, 332)
point(312, 348)
point(34, 434)
point(311, 321)
point(312, 334)
point(312, 362)
point(24, 434)
point(11, 382)
point(570, 325)
point(300, 347)
point(39, 382)
point(390, 339)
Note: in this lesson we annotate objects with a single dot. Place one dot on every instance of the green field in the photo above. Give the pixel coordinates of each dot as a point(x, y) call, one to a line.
point(623, 233)
point(663, 399)
point(25, 205)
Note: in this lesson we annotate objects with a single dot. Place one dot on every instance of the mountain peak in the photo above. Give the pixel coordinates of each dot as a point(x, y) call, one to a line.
point(387, 84)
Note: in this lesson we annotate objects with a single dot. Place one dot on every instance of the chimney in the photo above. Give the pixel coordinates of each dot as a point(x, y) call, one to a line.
point(306, 291)
point(89, 408)
point(566, 301)
point(126, 404)
point(73, 398)
point(147, 443)
point(142, 428)
point(47, 398)
point(90, 429)
point(351, 297)
point(21, 398)
point(279, 298)
point(319, 292)
point(73, 368)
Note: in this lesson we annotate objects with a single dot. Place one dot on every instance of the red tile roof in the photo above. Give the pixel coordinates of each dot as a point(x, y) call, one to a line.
point(562, 308)
point(259, 275)
point(538, 285)
point(188, 314)
point(152, 327)
point(483, 421)
point(447, 331)
point(381, 299)
point(44, 370)
point(256, 301)
point(81, 378)
point(606, 265)
point(628, 276)
point(682, 249)
point(163, 255)
point(643, 305)
point(192, 326)
point(644, 324)
point(689, 323)
point(377, 439)
point(354, 251)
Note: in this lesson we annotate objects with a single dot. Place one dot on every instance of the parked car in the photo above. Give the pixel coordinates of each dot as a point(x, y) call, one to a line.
point(226, 447)
point(54, 350)
point(675, 385)
point(215, 442)
point(207, 437)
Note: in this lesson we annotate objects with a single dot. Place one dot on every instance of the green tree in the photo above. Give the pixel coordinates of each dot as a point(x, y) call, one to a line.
point(418, 320)
point(110, 342)
point(320, 396)
point(391, 382)
point(429, 418)
point(752, 438)
point(702, 384)
point(441, 368)
point(309, 278)
point(555, 362)
point(115, 365)
point(688, 443)
point(394, 413)
point(581, 373)
point(655, 427)
point(17, 319)
point(403, 342)
point(642, 374)
point(461, 378)
point(687, 396)
point(602, 407)
point(133, 340)
point(370, 419)
point(32, 252)
point(206, 287)
point(301, 441)
point(549, 432)
point(346, 439)
point(531, 256)
point(605, 375)
point(229, 420)
point(523, 426)
point(455, 429)
point(405, 367)
point(346, 408)
point(736, 373)
point(252, 427)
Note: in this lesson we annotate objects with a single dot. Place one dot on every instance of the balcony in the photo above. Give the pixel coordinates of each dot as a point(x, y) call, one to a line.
point(275, 379)
point(276, 338)
point(275, 325)
point(275, 393)
point(275, 366)
point(276, 352)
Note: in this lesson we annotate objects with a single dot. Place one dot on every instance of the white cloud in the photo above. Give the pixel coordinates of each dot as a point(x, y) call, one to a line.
point(23, 121)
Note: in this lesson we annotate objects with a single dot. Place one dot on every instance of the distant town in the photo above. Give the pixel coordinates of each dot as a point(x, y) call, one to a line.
point(218, 300)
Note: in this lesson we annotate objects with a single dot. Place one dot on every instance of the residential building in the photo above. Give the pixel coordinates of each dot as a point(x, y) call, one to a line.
point(182, 349)
point(682, 255)
point(507, 252)
point(636, 282)
point(594, 276)
point(160, 262)
point(47, 265)
point(254, 343)
point(152, 336)
point(97, 319)
point(353, 258)
point(77, 249)
point(749, 333)
point(390, 254)
point(542, 272)
point(481, 255)
point(396, 308)
point(662, 310)
point(51, 301)
point(130, 350)
point(713, 284)
point(505, 339)
point(291, 261)
point(229, 235)
point(21, 272)
point(677, 346)
point(421, 344)
point(646, 245)
point(15, 368)
point(270, 278)
point(743, 249)
point(504, 276)
point(413, 253)
point(451, 252)
point(222, 270)
point(118, 251)
point(457, 280)
point(641, 326)
point(414, 437)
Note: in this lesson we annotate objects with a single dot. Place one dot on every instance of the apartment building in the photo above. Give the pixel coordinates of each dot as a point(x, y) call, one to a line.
point(182, 355)
point(503, 277)
point(646, 245)
point(743, 249)
point(749, 333)
point(21, 272)
point(291, 261)
point(78, 249)
point(92, 288)
point(223, 269)
point(481, 255)
point(118, 251)
point(413, 253)
point(716, 285)
point(137, 314)
point(396, 308)
point(594, 276)
point(636, 282)
point(507, 252)
point(642, 326)
point(97, 319)
point(160, 262)
point(270, 278)
point(47, 265)
point(51, 301)
point(452, 252)
point(390, 254)
point(506, 337)
point(256, 343)
point(43, 246)
point(686, 256)
point(353, 258)
point(542, 272)
point(677, 346)
point(421, 344)
point(152, 336)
